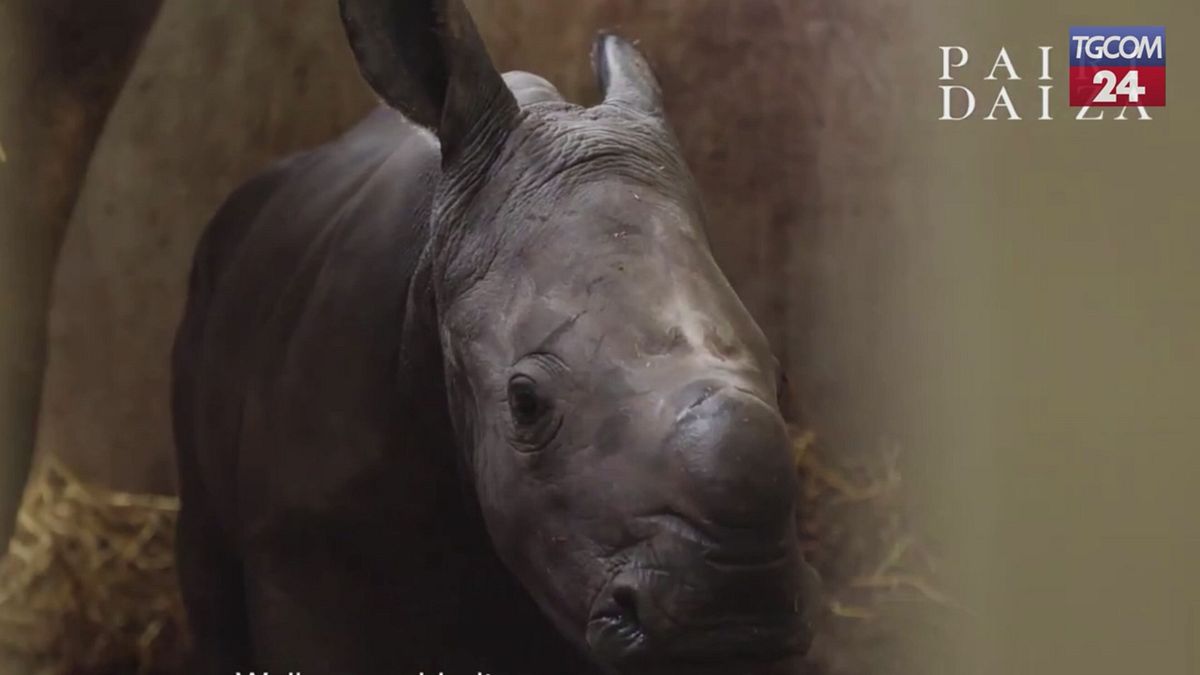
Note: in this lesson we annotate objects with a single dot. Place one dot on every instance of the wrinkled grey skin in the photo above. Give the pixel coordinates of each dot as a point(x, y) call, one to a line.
point(480, 400)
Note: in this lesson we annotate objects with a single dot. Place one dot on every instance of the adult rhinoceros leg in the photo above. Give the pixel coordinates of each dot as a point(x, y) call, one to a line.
point(219, 89)
point(62, 63)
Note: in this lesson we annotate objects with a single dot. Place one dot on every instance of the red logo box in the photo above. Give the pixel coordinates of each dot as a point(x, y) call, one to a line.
point(1116, 66)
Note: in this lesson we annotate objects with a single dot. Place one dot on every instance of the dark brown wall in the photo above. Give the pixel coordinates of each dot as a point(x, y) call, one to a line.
point(782, 107)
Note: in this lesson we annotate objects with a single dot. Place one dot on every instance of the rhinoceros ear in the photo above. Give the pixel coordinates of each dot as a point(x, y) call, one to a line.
point(625, 75)
point(425, 58)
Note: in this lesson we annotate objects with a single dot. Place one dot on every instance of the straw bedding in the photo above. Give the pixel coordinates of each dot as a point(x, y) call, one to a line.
point(88, 585)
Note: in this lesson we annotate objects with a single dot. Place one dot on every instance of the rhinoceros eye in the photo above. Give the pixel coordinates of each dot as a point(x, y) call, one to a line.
point(524, 402)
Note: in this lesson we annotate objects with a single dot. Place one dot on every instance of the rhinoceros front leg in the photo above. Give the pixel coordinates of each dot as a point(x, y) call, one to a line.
point(62, 64)
point(211, 578)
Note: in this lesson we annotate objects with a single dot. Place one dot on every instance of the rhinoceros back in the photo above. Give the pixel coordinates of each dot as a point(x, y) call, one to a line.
point(283, 363)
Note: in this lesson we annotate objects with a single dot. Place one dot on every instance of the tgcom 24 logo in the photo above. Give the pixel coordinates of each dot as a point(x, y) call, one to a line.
point(1123, 67)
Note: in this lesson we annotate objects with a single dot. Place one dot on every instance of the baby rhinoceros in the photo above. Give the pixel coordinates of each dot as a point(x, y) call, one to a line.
point(464, 391)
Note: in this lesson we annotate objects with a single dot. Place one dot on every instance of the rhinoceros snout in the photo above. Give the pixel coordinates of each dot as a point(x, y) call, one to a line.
point(718, 577)
point(675, 607)
point(732, 460)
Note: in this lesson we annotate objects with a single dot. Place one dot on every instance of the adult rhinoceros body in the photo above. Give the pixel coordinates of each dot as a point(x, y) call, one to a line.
point(480, 399)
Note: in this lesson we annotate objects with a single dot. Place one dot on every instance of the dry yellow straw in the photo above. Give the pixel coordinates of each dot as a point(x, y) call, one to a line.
point(88, 582)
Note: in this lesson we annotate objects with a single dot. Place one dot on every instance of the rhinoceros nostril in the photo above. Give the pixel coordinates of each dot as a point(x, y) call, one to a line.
point(615, 631)
point(626, 600)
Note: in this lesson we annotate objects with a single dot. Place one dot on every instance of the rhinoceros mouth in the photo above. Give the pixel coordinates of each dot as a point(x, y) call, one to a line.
point(619, 637)
point(614, 634)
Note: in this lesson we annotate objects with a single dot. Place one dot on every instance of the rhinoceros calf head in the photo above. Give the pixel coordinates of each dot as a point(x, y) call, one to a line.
point(615, 404)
